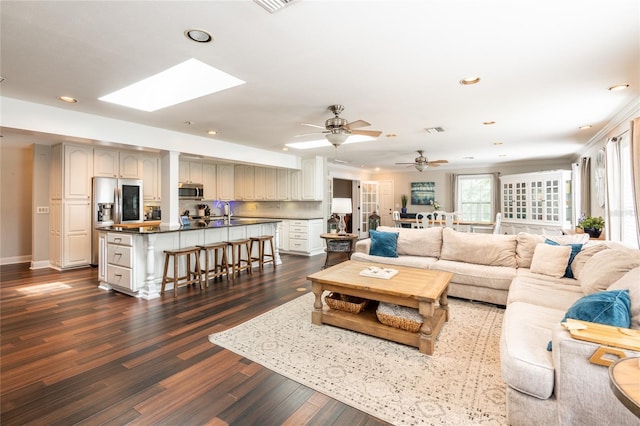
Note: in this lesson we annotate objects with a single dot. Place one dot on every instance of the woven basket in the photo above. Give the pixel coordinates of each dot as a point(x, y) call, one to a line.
point(343, 302)
point(399, 317)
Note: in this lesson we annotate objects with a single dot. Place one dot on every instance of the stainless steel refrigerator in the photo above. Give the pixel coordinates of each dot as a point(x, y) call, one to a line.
point(115, 201)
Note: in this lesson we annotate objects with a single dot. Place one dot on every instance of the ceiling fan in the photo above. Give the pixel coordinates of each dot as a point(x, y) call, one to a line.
point(337, 129)
point(422, 162)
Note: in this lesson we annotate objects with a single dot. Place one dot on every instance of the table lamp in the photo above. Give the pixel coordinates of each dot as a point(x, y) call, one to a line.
point(341, 206)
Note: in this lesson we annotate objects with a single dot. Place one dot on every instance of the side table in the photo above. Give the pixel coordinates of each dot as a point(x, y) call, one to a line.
point(338, 246)
point(624, 377)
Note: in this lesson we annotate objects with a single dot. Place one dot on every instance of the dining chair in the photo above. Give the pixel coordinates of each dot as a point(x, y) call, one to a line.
point(422, 220)
point(497, 223)
point(440, 218)
point(457, 218)
point(395, 216)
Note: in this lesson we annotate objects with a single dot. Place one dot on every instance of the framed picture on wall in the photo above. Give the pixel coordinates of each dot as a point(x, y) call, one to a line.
point(423, 193)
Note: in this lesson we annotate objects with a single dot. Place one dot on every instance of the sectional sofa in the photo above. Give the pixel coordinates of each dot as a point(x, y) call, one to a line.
point(539, 280)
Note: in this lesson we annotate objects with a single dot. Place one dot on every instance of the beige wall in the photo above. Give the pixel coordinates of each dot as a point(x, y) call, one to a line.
point(16, 179)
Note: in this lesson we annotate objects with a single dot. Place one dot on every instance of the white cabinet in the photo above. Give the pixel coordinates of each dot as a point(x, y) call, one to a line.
point(105, 162)
point(313, 179)
point(78, 170)
point(225, 182)
point(295, 182)
point(151, 177)
point(70, 206)
point(190, 172)
point(124, 261)
point(304, 236)
point(535, 202)
point(209, 180)
point(282, 184)
point(76, 233)
point(112, 163)
point(130, 167)
point(283, 235)
point(260, 183)
point(244, 182)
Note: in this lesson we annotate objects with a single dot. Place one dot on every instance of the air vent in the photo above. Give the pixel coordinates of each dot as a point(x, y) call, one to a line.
point(435, 129)
point(273, 6)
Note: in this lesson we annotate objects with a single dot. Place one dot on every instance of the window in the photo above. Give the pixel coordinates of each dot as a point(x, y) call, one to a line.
point(475, 197)
point(621, 211)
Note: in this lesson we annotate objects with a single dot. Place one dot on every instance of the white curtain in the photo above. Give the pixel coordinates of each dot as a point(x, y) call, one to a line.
point(613, 220)
point(585, 187)
point(635, 171)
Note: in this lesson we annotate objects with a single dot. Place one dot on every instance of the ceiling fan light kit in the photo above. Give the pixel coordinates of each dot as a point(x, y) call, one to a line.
point(421, 162)
point(338, 129)
point(336, 138)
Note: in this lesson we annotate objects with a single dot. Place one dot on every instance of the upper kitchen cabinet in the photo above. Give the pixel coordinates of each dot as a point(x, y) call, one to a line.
point(78, 170)
point(112, 163)
point(313, 178)
point(130, 167)
point(282, 184)
point(244, 182)
point(266, 184)
point(190, 172)
point(295, 185)
point(151, 177)
point(209, 181)
point(225, 183)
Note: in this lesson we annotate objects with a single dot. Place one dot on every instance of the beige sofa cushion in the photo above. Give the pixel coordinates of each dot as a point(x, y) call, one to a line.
point(412, 261)
point(605, 268)
point(480, 249)
point(550, 260)
point(526, 245)
point(543, 290)
point(417, 242)
point(631, 281)
point(585, 254)
point(483, 276)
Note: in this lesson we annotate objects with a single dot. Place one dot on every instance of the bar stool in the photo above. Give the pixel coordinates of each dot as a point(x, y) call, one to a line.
point(220, 265)
point(239, 263)
point(190, 276)
point(263, 258)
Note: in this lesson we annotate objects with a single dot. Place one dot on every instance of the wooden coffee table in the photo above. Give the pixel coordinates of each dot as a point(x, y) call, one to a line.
point(421, 289)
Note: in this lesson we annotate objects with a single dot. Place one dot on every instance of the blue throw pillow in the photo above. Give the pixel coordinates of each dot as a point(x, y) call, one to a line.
point(604, 307)
point(383, 244)
point(575, 249)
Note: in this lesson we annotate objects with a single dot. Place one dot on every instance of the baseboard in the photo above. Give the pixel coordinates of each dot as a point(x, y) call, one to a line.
point(40, 264)
point(15, 259)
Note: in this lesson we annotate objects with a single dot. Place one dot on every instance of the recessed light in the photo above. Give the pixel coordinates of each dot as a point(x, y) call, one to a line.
point(68, 99)
point(198, 35)
point(377, 169)
point(212, 132)
point(469, 80)
point(391, 135)
point(585, 127)
point(285, 148)
point(618, 87)
point(189, 123)
point(488, 123)
point(497, 143)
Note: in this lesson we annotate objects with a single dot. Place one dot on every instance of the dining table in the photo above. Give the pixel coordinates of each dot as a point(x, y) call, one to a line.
point(472, 226)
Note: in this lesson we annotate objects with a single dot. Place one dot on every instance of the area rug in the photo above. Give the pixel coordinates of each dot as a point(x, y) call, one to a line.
point(460, 384)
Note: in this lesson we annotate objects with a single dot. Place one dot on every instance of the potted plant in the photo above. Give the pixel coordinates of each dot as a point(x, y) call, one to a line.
point(404, 199)
point(592, 225)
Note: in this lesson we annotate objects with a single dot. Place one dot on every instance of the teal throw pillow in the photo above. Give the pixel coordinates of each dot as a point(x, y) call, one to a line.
point(575, 249)
point(604, 307)
point(383, 244)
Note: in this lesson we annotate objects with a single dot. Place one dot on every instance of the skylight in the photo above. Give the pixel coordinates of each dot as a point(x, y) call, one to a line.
point(188, 80)
point(323, 142)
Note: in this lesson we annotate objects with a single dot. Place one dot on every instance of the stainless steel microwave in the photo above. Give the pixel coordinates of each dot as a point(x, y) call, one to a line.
point(190, 191)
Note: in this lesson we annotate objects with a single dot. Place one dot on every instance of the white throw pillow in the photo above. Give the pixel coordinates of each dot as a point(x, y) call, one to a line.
point(631, 282)
point(550, 260)
point(585, 254)
point(605, 268)
point(563, 240)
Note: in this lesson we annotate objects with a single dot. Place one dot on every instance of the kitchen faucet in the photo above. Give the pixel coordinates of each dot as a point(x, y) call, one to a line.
point(227, 209)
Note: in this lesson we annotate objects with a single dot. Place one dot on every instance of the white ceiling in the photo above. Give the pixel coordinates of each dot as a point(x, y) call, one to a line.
point(545, 67)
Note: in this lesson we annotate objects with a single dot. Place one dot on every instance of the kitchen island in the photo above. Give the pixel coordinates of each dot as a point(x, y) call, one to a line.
point(131, 259)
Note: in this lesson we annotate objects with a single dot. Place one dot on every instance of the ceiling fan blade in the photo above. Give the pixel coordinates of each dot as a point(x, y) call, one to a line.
point(309, 134)
point(437, 162)
point(406, 163)
point(313, 125)
point(372, 133)
point(358, 123)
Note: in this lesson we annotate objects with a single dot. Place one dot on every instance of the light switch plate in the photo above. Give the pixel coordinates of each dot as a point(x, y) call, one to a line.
point(42, 209)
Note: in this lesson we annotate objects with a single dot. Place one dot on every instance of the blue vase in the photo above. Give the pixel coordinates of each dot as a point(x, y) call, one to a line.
point(403, 210)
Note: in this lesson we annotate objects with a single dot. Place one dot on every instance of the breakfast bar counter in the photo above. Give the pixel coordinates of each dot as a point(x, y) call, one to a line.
point(131, 258)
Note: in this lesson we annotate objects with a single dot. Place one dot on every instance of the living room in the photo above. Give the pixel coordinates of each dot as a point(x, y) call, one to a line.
point(540, 82)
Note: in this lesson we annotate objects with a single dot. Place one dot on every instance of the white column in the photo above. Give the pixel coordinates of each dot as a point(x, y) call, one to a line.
point(169, 188)
point(150, 289)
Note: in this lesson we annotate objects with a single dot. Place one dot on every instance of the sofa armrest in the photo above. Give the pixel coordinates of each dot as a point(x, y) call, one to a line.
point(582, 389)
point(363, 246)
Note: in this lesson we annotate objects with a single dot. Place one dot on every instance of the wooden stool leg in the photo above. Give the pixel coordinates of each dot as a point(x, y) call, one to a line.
point(175, 275)
point(249, 266)
point(273, 253)
point(224, 263)
point(167, 256)
point(196, 254)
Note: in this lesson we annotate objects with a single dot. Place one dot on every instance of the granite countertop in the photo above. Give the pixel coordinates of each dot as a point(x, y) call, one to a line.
point(195, 225)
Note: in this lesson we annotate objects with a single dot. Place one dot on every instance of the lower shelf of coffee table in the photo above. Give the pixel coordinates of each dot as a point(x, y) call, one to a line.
point(366, 322)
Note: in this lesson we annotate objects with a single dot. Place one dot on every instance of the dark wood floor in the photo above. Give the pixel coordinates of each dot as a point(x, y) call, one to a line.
point(74, 354)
